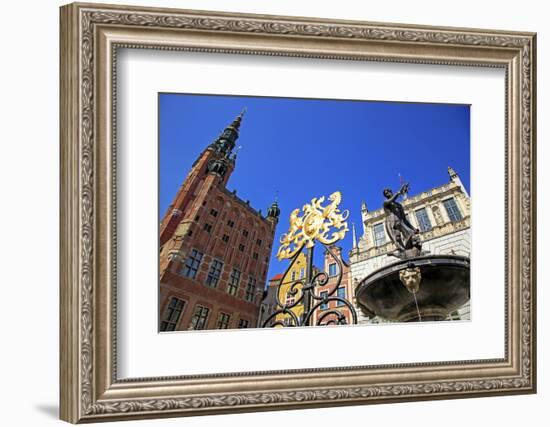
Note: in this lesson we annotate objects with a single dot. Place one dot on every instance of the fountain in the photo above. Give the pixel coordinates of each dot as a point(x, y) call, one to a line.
point(419, 286)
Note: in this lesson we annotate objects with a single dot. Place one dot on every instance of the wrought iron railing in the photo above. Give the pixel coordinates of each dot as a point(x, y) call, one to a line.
point(324, 225)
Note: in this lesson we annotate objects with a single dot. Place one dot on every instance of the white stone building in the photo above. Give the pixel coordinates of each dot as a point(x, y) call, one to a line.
point(442, 215)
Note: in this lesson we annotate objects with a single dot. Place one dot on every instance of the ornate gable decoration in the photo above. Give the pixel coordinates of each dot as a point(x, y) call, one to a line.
point(325, 224)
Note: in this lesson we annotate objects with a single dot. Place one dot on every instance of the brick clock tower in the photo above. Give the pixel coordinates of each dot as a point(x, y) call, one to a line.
point(214, 247)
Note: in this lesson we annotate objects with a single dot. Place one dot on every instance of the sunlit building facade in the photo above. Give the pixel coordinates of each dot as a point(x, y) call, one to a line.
point(214, 247)
point(442, 215)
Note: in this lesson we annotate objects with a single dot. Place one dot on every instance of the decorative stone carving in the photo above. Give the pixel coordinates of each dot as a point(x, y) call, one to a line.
point(437, 215)
point(366, 239)
point(411, 277)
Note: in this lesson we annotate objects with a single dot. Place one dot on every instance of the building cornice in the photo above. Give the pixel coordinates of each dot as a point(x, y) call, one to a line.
point(420, 199)
point(445, 229)
point(243, 203)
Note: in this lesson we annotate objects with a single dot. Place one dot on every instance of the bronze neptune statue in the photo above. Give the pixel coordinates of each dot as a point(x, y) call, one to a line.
point(402, 233)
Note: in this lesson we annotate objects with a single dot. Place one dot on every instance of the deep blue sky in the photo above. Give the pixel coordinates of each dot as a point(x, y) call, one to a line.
point(304, 148)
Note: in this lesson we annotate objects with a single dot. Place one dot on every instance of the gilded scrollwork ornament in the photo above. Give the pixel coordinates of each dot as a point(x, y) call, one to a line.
point(314, 222)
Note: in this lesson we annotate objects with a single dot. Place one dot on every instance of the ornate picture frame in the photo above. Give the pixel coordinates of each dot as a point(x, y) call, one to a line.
point(90, 37)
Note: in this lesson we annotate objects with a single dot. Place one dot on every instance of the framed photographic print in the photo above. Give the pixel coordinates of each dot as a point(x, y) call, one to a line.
point(265, 212)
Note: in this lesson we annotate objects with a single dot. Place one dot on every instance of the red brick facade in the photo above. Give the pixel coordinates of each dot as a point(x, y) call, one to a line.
point(214, 248)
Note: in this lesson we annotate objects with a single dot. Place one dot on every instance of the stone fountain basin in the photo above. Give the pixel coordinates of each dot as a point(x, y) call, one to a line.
point(444, 288)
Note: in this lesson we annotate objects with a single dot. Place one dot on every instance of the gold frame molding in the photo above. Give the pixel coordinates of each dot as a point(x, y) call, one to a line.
point(90, 36)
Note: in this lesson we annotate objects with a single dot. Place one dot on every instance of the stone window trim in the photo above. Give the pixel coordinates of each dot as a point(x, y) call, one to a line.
point(323, 306)
point(250, 289)
point(341, 293)
point(452, 209)
point(332, 269)
point(233, 284)
point(199, 321)
point(214, 273)
point(172, 314)
point(290, 299)
point(423, 220)
point(379, 234)
point(192, 263)
point(223, 320)
point(243, 324)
